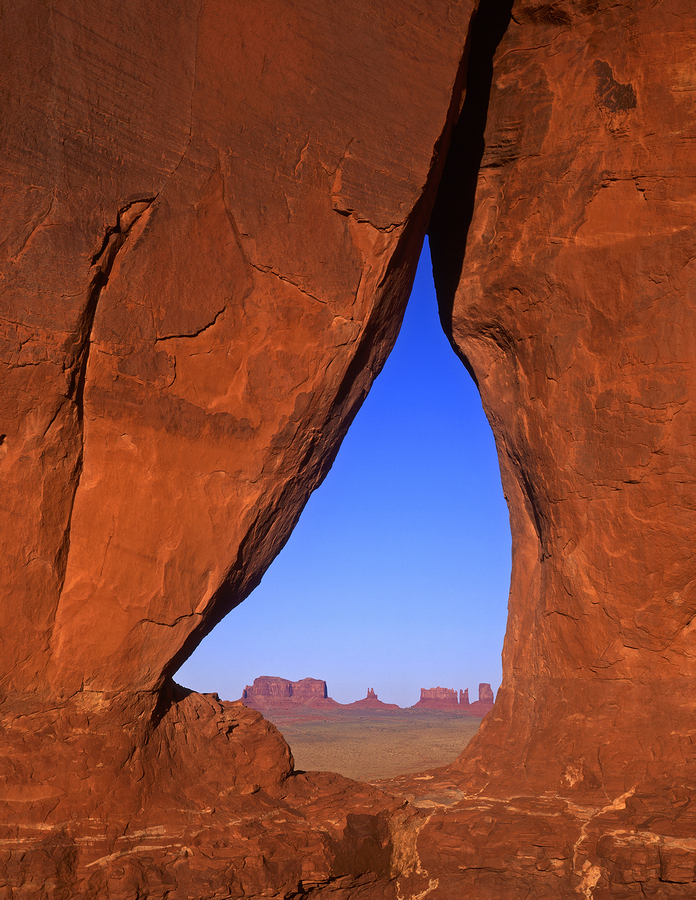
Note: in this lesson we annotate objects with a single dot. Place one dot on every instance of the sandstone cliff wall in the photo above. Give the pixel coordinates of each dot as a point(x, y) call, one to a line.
point(202, 274)
point(564, 246)
point(211, 219)
point(571, 308)
point(438, 698)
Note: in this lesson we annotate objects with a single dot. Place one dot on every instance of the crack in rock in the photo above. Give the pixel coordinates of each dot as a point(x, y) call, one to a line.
point(78, 346)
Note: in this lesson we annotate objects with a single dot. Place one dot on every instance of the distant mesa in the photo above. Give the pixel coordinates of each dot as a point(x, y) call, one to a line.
point(447, 699)
point(269, 692)
point(439, 698)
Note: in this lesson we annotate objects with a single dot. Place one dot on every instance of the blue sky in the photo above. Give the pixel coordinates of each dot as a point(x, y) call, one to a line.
point(397, 575)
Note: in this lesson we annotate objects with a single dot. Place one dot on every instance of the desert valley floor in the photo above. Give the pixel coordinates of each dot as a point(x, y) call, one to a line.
point(374, 745)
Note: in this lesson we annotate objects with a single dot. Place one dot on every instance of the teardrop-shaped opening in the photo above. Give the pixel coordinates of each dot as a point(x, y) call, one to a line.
point(397, 575)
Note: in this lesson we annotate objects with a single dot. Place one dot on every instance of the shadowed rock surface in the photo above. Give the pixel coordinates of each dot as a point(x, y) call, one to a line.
point(211, 219)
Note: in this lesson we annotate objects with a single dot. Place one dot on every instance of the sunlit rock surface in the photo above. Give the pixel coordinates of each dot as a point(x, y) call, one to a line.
point(438, 698)
point(211, 221)
point(211, 218)
point(212, 214)
point(573, 304)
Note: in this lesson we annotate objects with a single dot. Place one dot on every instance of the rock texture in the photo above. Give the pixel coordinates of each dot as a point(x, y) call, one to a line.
point(480, 707)
point(211, 218)
point(485, 693)
point(202, 275)
point(571, 298)
point(270, 693)
point(119, 798)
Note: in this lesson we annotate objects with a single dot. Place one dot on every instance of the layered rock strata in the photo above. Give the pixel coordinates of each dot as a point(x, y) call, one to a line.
point(268, 692)
point(438, 698)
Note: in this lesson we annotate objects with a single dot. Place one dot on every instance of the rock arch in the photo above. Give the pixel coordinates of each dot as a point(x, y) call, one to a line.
point(212, 222)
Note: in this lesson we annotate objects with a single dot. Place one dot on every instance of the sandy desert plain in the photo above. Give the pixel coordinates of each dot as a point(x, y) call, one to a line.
point(374, 744)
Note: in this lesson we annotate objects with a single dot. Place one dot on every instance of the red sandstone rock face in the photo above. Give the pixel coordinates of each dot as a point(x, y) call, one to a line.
point(175, 796)
point(485, 694)
point(211, 215)
point(573, 307)
point(446, 699)
point(202, 273)
point(480, 707)
point(211, 220)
